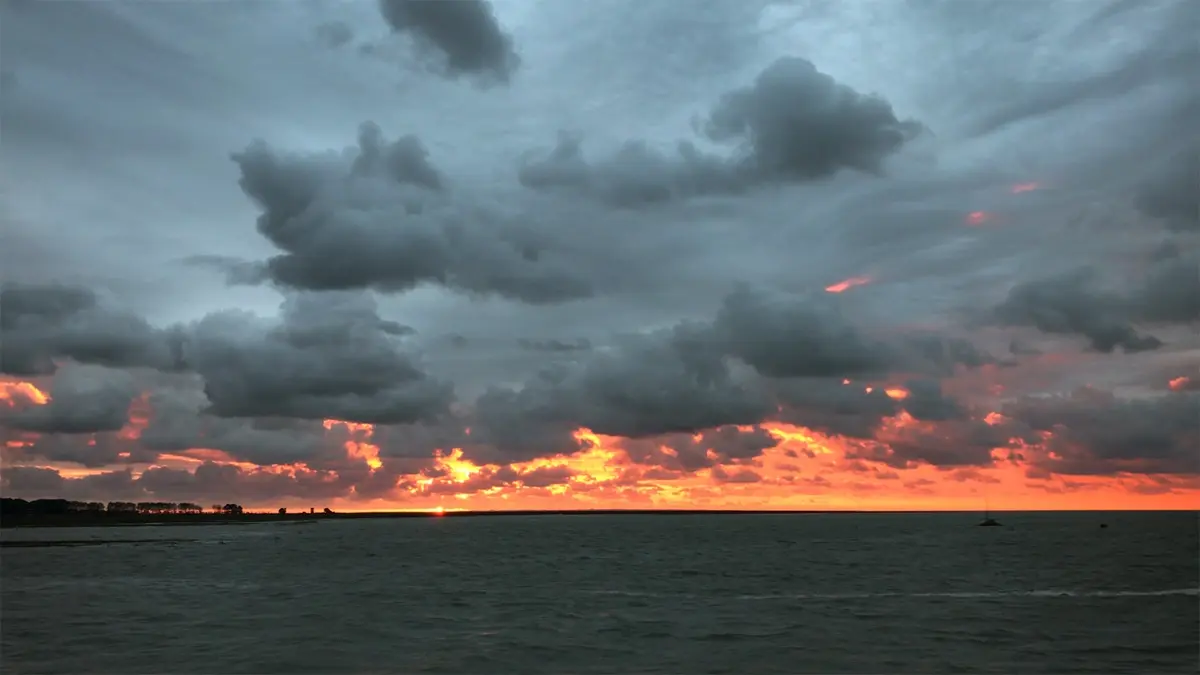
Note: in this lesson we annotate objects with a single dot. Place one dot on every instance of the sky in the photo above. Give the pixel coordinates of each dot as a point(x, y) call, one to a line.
point(531, 254)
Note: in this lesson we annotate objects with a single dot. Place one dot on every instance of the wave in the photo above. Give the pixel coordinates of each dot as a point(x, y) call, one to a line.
point(964, 595)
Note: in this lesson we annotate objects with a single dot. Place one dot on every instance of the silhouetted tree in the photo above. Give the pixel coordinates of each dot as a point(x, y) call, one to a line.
point(282, 510)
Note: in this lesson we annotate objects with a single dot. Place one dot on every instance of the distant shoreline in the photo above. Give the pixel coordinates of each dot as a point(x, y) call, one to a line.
point(185, 519)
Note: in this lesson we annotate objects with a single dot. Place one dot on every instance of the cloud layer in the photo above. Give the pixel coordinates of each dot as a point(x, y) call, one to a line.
point(759, 264)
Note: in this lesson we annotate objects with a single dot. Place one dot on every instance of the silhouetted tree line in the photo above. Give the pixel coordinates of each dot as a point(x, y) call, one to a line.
point(63, 507)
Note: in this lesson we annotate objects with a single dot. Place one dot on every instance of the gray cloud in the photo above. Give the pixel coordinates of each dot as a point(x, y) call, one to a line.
point(830, 406)
point(796, 122)
point(43, 323)
point(1071, 303)
point(709, 449)
point(464, 33)
point(552, 345)
point(635, 175)
point(178, 422)
point(789, 336)
point(1097, 432)
point(83, 400)
point(1079, 303)
point(379, 220)
point(927, 402)
point(648, 385)
point(690, 378)
point(330, 355)
point(793, 123)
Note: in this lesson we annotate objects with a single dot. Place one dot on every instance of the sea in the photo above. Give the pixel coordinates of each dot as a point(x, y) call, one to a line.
point(672, 594)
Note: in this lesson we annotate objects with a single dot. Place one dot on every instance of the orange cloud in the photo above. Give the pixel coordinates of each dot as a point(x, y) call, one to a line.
point(847, 284)
point(11, 391)
point(976, 218)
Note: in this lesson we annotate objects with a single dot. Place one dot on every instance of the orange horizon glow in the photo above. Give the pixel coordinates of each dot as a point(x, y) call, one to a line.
point(808, 470)
point(847, 284)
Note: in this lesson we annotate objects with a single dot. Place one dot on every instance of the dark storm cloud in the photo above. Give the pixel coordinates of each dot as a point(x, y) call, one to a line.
point(829, 406)
point(711, 448)
point(89, 450)
point(809, 336)
point(794, 336)
point(42, 323)
point(927, 402)
point(797, 123)
point(208, 483)
point(946, 443)
point(690, 378)
point(793, 123)
point(1097, 432)
point(178, 422)
point(83, 400)
point(380, 218)
point(329, 355)
point(1077, 303)
point(1072, 304)
point(660, 383)
point(464, 33)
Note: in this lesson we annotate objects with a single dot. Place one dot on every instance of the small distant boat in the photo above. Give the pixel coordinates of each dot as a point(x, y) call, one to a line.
point(988, 520)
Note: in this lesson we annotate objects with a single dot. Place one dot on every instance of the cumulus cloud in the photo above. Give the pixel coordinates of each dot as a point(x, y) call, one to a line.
point(709, 449)
point(1080, 303)
point(377, 218)
point(178, 422)
point(463, 36)
point(40, 324)
point(1098, 432)
point(83, 400)
point(648, 385)
point(794, 123)
point(329, 355)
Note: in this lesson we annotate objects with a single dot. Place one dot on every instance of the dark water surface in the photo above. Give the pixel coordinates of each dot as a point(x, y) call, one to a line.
point(613, 594)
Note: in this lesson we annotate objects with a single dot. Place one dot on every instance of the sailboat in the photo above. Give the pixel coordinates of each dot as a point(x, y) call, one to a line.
point(988, 521)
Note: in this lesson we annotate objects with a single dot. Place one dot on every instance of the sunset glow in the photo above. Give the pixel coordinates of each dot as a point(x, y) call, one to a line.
point(12, 392)
point(1024, 187)
point(847, 284)
point(978, 217)
point(807, 469)
point(1181, 383)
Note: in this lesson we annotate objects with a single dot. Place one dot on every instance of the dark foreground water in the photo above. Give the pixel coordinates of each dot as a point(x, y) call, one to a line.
point(613, 594)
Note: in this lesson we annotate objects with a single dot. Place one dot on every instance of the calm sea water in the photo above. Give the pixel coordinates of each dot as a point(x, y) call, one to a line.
point(614, 594)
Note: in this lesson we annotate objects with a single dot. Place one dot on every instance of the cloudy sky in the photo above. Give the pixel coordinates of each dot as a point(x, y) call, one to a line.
point(533, 253)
